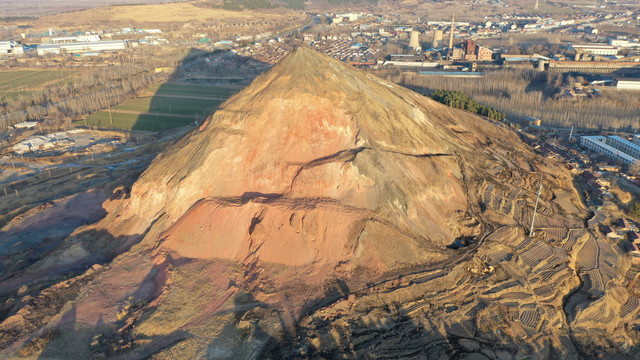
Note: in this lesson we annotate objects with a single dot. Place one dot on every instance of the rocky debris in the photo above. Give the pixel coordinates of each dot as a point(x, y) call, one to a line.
point(32, 312)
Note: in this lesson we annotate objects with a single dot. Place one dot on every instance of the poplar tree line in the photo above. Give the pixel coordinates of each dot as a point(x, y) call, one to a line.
point(519, 93)
point(98, 85)
point(89, 91)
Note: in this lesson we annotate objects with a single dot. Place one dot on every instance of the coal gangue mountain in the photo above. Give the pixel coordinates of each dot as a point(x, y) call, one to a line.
point(323, 212)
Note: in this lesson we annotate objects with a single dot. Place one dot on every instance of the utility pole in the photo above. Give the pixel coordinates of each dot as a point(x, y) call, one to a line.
point(535, 209)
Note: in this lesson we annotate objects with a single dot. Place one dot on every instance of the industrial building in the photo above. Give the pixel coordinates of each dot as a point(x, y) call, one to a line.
point(411, 64)
point(472, 51)
point(224, 44)
point(11, 48)
point(75, 39)
point(344, 17)
point(623, 43)
point(81, 47)
point(594, 66)
point(406, 57)
point(404, 60)
point(628, 84)
point(519, 58)
point(594, 49)
point(531, 121)
point(599, 144)
point(624, 145)
point(447, 22)
point(47, 49)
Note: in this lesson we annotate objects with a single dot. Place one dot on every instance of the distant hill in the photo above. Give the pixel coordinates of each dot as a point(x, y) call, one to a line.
point(291, 4)
point(13, 8)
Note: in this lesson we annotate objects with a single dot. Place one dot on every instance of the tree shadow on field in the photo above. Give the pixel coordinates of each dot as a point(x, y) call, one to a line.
point(548, 83)
point(199, 84)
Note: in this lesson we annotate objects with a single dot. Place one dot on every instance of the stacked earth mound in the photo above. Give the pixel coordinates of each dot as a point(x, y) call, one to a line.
point(323, 212)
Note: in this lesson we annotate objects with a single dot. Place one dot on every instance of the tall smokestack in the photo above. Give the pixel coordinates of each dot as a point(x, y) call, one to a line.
point(536, 5)
point(453, 25)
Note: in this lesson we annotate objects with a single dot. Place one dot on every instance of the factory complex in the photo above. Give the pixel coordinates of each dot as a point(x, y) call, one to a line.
point(614, 147)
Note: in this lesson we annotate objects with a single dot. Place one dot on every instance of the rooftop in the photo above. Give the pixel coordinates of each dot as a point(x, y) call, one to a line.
point(628, 79)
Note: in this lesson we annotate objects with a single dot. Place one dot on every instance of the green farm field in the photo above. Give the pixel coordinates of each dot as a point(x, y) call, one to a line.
point(144, 122)
point(23, 82)
point(171, 105)
point(193, 90)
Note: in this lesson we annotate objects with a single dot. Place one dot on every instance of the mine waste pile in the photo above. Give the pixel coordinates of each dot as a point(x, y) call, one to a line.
point(324, 213)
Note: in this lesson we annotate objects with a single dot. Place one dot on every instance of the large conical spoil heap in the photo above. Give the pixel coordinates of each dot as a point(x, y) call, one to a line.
point(320, 212)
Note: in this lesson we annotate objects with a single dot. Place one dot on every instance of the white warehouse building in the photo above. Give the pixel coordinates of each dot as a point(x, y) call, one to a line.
point(624, 145)
point(81, 47)
point(623, 43)
point(595, 49)
point(75, 39)
point(11, 48)
point(598, 144)
point(628, 83)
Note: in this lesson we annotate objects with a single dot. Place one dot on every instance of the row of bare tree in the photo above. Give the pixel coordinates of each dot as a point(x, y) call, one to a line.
point(519, 93)
point(89, 91)
point(92, 88)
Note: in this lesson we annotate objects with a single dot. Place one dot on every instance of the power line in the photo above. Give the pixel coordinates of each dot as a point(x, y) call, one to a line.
point(533, 220)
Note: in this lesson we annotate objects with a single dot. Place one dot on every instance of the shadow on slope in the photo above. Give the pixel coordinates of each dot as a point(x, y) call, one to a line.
point(34, 237)
point(200, 83)
point(29, 300)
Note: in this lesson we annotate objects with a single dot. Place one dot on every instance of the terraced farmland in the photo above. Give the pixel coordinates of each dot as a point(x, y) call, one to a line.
point(530, 318)
point(536, 254)
point(572, 238)
point(555, 234)
point(169, 106)
point(630, 306)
